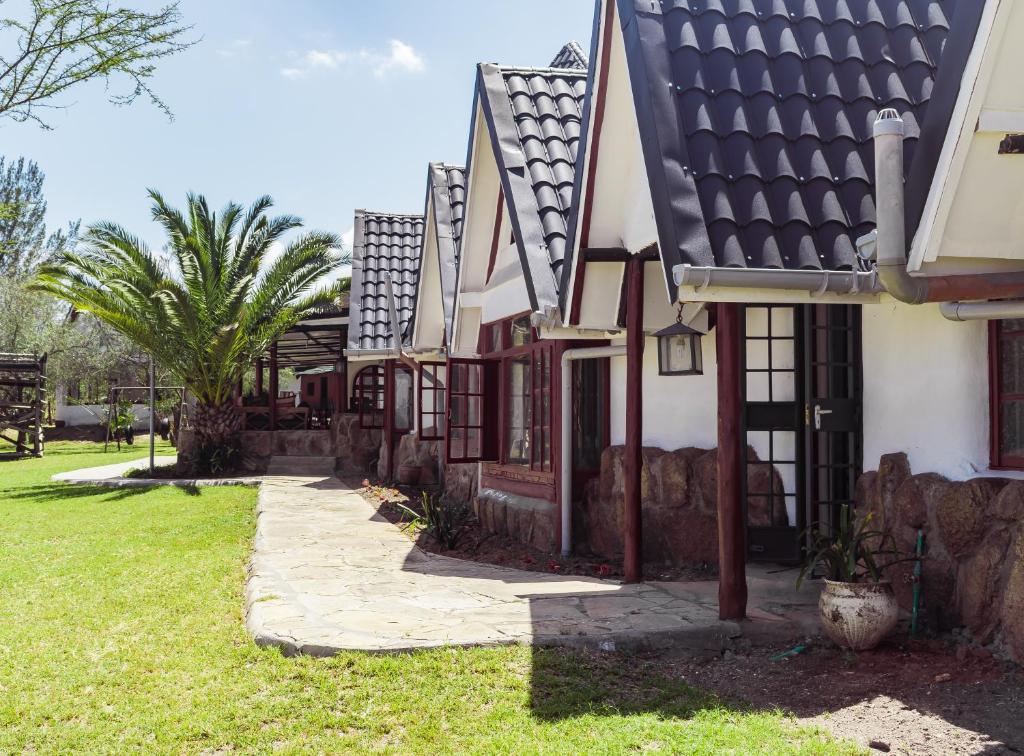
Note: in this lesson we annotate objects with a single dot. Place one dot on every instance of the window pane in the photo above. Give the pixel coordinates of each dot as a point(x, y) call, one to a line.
point(458, 410)
point(475, 383)
point(474, 446)
point(519, 411)
point(521, 331)
point(495, 337)
point(1011, 429)
point(457, 443)
point(459, 378)
point(475, 411)
point(403, 399)
point(1011, 363)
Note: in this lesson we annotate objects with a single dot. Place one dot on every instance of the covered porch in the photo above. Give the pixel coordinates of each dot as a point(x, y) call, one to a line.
point(314, 349)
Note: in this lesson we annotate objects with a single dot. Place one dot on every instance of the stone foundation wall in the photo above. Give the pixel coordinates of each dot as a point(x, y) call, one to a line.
point(973, 573)
point(530, 521)
point(358, 450)
point(461, 481)
point(680, 505)
point(418, 455)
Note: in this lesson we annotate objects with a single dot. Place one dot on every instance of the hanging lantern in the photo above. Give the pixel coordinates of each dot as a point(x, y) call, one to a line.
point(679, 350)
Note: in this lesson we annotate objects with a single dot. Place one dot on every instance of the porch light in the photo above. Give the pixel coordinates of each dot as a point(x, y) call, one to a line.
point(679, 349)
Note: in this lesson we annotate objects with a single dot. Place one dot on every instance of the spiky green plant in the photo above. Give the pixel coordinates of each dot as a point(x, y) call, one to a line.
point(212, 305)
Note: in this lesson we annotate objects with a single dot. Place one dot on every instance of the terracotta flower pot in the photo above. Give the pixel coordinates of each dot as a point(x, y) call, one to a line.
point(409, 475)
point(858, 615)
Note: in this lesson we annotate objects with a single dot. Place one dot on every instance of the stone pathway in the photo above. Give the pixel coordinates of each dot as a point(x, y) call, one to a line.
point(329, 574)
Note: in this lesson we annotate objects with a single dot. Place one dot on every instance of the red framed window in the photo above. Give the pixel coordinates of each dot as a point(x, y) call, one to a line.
point(432, 395)
point(368, 394)
point(471, 427)
point(500, 407)
point(1006, 372)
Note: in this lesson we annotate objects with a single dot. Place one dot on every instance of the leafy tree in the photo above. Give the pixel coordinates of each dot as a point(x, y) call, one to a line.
point(23, 238)
point(211, 309)
point(55, 45)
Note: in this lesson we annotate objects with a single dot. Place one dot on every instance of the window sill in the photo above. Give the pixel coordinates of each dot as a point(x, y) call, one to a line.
point(1008, 474)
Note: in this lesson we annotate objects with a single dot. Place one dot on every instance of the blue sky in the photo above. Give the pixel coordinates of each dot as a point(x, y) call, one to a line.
point(325, 105)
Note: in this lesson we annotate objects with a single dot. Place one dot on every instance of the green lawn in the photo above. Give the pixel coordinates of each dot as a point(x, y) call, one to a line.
point(121, 630)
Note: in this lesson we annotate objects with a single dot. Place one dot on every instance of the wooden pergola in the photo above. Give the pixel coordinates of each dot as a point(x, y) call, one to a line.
point(22, 399)
point(317, 341)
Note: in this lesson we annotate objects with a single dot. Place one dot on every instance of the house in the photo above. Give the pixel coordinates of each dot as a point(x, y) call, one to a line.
point(749, 137)
point(504, 378)
point(386, 253)
point(683, 328)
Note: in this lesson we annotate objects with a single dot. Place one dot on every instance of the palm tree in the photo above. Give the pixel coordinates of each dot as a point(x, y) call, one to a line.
point(208, 308)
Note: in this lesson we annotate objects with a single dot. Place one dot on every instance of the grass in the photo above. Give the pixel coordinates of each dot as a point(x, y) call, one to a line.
point(120, 630)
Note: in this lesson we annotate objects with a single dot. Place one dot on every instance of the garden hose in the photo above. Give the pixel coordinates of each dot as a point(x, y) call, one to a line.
point(916, 580)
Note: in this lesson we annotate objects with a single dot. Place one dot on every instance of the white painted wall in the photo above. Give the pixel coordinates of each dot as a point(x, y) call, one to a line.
point(679, 410)
point(925, 389)
point(95, 414)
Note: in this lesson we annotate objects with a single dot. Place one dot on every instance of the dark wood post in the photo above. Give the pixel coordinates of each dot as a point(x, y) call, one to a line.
point(732, 550)
point(389, 418)
point(273, 386)
point(258, 388)
point(633, 456)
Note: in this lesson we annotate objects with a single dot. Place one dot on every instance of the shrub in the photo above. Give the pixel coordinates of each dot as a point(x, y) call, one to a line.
point(442, 518)
point(218, 458)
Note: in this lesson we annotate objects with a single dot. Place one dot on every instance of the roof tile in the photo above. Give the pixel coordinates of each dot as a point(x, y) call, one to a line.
point(390, 244)
point(776, 99)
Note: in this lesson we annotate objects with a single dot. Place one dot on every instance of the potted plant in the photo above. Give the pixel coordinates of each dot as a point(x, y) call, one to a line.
point(857, 605)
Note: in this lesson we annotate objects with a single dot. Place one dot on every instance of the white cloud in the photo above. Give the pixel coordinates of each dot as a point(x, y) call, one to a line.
point(402, 57)
point(236, 47)
point(347, 238)
point(399, 58)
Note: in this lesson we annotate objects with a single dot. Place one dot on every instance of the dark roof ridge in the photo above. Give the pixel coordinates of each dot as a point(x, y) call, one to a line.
point(387, 214)
point(505, 68)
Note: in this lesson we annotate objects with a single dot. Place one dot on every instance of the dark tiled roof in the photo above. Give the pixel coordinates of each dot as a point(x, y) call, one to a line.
point(534, 117)
point(570, 56)
point(756, 119)
point(446, 187)
point(383, 243)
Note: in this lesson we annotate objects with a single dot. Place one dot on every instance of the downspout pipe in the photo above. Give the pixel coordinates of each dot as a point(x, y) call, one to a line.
point(961, 312)
point(568, 357)
point(891, 239)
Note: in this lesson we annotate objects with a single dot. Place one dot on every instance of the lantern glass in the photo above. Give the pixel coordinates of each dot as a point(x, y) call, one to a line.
point(679, 354)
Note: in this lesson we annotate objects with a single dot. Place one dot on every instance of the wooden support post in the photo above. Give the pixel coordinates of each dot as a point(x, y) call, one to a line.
point(389, 418)
point(258, 388)
point(633, 455)
point(273, 386)
point(732, 550)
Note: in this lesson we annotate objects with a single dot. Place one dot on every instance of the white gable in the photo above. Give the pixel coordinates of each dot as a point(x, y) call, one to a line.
point(974, 218)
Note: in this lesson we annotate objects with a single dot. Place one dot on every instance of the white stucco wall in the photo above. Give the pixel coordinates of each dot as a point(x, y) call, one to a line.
point(96, 414)
point(925, 389)
point(679, 410)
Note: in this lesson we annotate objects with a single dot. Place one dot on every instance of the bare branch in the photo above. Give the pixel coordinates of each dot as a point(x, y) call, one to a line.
point(63, 43)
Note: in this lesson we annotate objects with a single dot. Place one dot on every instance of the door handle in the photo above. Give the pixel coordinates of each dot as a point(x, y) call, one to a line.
point(818, 412)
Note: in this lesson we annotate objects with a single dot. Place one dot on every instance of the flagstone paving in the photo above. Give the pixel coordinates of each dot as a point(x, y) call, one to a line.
point(328, 573)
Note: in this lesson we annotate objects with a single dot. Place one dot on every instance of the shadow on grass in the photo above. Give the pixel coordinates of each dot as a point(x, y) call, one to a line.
point(569, 683)
point(65, 491)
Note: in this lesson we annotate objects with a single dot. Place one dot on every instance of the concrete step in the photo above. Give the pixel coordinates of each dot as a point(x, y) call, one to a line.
point(302, 466)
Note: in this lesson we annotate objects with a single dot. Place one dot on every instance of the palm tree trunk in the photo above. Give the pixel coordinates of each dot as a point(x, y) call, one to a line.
point(218, 450)
point(217, 424)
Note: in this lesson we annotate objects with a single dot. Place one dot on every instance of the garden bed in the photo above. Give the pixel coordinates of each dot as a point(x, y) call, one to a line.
point(477, 545)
